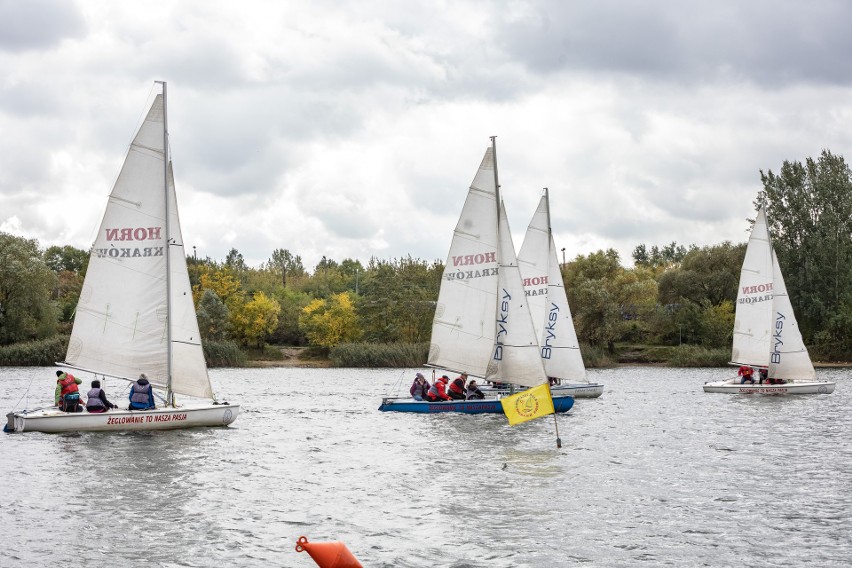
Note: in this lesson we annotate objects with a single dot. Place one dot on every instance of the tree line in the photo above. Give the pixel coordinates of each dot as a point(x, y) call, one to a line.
point(671, 295)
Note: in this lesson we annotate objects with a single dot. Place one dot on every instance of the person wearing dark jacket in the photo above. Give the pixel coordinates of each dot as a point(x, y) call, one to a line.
point(420, 387)
point(96, 400)
point(473, 391)
point(141, 394)
point(457, 390)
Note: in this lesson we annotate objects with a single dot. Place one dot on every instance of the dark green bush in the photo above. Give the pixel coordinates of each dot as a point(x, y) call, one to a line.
point(41, 353)
point(223, 354)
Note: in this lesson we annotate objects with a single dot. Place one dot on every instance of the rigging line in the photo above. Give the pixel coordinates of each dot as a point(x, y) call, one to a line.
point(26, 393)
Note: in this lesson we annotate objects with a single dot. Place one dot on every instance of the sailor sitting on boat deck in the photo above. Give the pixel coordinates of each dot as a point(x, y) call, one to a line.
point(473, 391)
point(420, 387)
point(141, 394)
point(437, 392)
point(747, 374)
point(67, 395)
point(96, 400)
point(457, 390)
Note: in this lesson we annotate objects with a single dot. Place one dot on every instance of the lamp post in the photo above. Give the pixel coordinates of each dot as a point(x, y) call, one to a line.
point(195, 253)
point(563, 256)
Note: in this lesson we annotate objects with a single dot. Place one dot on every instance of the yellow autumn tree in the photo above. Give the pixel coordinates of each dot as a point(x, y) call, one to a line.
point(254, 320)
point(329, 322)
point(222, 283)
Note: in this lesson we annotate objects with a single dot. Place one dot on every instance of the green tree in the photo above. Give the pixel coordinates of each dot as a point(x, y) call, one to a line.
point(212, 316)
point(26, 284)
point(809, 209)
point(397, 300)
point(708, 274)
point(287, 265)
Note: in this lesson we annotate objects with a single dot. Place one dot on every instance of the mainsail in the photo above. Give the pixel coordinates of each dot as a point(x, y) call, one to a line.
point(548, 302)
point(751, 342)
point(120, 328)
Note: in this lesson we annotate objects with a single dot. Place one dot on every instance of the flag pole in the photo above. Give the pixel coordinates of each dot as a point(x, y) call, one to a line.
point(558, 439)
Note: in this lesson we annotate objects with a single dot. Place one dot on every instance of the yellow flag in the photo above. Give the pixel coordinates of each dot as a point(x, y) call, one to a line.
point(528, 404)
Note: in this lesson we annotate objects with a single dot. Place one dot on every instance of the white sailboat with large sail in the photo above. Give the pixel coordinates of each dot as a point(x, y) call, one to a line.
point(766, 334)
point(482, 324)
point(136, 314)
point(548, 302)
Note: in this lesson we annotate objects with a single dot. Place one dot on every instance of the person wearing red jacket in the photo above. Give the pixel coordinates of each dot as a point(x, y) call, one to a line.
point(438, 392)
point(457, 390)
point(747, 374)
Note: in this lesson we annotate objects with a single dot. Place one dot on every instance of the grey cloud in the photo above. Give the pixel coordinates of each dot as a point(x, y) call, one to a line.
point(38, 24)
point(774, 43)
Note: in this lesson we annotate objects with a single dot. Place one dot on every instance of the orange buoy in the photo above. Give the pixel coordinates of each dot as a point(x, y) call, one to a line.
point(328, 554)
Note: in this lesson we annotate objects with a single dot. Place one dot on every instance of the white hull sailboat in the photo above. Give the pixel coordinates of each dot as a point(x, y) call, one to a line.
point(766, 334)
point(135, 314)
point(545, 291)
point(482, 323)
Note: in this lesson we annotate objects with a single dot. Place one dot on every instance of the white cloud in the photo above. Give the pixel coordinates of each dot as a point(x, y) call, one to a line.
point(345, 130)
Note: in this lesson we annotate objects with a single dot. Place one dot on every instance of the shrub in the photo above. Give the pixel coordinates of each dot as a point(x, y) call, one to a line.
point(223, 354)
point(697, 356)
point(379, 354)
point(41, 353)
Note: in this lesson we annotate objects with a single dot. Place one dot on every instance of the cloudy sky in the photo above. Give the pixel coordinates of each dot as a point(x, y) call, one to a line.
point(353, 129)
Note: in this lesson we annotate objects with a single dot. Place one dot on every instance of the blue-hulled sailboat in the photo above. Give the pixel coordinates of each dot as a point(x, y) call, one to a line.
point(482, 323)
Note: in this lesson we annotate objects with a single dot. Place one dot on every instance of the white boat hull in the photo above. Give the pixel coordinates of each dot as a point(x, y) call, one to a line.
point(52, 420)
point(577, 390)
point(733, 386)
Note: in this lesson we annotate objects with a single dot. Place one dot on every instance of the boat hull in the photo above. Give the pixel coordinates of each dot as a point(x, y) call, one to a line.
point(54, 421)
point(576, 390)
point(734, 387)
point(482, 406)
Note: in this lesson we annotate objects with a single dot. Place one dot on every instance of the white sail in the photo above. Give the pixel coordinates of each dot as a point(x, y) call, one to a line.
point(516, 357)
point(548, 302)
point(751, 342)
point(788, 356)
point(120, 324)
point(482, 323)
point(463, 331)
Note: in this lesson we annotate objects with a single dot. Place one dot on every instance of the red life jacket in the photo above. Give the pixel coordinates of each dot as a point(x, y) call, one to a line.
point(69, 385)
point(457, 385)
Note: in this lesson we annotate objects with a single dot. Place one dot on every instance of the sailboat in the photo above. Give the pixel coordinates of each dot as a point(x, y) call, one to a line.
point(482, 325)
point(766, 334)
point(135, 314)
point(545, 291)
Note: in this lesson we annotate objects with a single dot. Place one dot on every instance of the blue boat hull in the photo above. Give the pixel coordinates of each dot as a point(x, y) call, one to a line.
point(484, 406)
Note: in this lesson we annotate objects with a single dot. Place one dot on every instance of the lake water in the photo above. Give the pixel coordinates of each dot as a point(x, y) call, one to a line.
point(654, 473)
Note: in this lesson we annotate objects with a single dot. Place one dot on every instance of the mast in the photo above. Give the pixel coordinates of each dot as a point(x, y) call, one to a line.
point(169, 394)
point(496, 182)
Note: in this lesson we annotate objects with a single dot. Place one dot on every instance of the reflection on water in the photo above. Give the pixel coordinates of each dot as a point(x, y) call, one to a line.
point(655, 472)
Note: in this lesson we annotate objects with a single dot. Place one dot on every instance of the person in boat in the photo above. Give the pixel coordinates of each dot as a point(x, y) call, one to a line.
point(764, 376)
point(141, 394)
point(67, 395)
point(776, 381)
point(473, 391)
point(457, 390)
point(438, 392)
point(420, 387)
point(96, 400)
point(747, 374)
